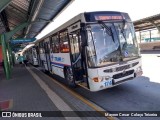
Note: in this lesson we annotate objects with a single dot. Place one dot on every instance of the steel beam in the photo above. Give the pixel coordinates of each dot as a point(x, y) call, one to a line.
point(7, 53)
point(158, 28)
point(5, 57)
point(3, 4)
point(4, 20)
point(32, 18)
point(9, 35)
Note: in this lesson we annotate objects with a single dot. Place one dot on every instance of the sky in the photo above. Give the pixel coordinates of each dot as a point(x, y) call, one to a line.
point(137, 9)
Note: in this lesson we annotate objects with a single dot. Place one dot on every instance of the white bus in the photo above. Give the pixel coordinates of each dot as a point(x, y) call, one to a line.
point(31, 55)
point(96, 50)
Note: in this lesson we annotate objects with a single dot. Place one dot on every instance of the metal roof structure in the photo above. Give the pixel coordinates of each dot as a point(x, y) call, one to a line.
point(147, 23)
point(13, 15)
point(37, 12)
point(49, 10)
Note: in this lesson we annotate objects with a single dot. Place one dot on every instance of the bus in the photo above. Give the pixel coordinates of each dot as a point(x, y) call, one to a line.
point(95, 50)
point(31, 56)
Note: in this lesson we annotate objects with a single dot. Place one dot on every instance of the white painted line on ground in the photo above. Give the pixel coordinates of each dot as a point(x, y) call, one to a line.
point(57, 101)
point(84, 100)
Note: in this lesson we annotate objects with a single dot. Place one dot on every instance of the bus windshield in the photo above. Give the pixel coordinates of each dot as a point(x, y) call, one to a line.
point(109, 43)
point(128, 42)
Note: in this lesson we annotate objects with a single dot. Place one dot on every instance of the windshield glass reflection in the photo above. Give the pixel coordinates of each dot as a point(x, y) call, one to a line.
point(109, 43)
point(127, 38)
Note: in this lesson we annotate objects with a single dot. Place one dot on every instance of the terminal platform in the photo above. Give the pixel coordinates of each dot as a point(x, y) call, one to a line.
point(29, 89)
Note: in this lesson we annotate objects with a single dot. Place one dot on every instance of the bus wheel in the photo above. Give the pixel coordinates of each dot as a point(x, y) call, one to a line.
point(44, 70)
point(69, 77)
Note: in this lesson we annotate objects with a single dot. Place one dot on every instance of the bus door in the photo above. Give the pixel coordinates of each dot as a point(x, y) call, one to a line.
point(38, 56)
point(34, 56)
point(75, 42)
point(42, 56)
point(47, 54)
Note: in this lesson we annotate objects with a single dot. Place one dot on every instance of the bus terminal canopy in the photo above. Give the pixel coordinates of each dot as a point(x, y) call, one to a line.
point(148, 23)
point(36, 13)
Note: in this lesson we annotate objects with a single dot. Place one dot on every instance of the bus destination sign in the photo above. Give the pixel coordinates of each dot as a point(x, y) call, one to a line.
point(108, 17)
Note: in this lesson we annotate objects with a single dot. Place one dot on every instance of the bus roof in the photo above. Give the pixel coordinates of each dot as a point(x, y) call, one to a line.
point(74, 20)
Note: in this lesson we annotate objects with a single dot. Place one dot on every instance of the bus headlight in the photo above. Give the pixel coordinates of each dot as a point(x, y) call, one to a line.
point(96, 79)
point(100, 79)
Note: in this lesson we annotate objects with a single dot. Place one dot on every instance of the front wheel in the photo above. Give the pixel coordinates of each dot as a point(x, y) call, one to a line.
point(69, 77)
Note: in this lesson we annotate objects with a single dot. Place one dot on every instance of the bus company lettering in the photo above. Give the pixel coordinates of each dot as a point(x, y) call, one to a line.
point(74, 26)
point(58, 59)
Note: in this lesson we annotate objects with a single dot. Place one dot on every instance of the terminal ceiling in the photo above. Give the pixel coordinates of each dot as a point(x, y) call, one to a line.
point(147, 23)
point(37, 12)
point(41, 12)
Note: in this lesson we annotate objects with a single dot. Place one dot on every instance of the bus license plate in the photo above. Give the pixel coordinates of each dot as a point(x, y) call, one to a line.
point(108, 83)
point(115, 81)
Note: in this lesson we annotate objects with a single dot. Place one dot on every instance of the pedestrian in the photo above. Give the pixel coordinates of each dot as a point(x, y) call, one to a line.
point(20, 59)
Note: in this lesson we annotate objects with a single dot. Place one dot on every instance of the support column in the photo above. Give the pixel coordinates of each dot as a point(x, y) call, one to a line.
point(5, 38)
point(5, 57)
point(9, 56)
point(9, 35)
point(140, 37)
point(150, 36)
point(3, 4)
point(158, 28)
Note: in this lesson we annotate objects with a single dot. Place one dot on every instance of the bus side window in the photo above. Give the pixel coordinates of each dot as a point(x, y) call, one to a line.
point(55, 44)
point(64, 46)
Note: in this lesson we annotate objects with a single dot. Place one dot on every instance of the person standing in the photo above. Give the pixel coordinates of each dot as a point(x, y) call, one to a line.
point(20, 59)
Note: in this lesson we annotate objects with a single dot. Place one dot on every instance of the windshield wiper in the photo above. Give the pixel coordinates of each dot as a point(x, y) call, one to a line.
point(115, 54)
point(122, 30)
point(108, 30)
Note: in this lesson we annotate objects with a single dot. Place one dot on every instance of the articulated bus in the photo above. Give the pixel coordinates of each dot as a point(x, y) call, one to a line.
point(96, 50)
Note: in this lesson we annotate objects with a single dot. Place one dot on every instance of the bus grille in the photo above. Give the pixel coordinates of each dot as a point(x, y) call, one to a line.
point(108, 70)
point(121, 68)
point(134, 64)
point(120, 75)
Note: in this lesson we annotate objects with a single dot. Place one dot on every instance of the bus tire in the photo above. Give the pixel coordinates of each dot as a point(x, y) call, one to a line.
point(44, 70)
point(69, 77)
